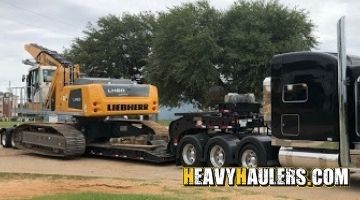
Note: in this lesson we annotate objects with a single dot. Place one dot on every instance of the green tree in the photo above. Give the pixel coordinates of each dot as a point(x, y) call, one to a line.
point(184, 53)
point(187, 49)
point(254, 31)
point(196, 47)
point(116, 47)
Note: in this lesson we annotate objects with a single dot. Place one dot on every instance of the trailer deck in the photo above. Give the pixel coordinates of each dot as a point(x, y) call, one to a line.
point(152, 153)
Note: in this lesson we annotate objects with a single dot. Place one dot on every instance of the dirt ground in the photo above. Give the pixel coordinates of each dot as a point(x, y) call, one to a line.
point(123, 176)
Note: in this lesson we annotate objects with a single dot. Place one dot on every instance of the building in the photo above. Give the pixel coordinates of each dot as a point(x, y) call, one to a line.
point(8, 103)
point(1, 104)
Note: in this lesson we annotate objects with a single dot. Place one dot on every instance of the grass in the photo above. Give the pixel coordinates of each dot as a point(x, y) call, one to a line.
point(7, 124)
point(164, 122)
point(101, 196)
point(5, 176)
point(11, 176)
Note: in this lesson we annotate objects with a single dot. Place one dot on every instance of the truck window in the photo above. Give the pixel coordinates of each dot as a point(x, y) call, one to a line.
point(295, 93)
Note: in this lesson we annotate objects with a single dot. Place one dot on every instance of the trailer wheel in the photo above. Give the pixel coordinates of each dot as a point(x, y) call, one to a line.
point(5, 139)
point(217, 156)
point(249, 156)
point(190, 152)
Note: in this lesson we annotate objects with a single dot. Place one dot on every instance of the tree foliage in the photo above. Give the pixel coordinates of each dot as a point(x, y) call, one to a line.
point(189, 48)
point(116, 47)
point(184, 53)
point(252, 32)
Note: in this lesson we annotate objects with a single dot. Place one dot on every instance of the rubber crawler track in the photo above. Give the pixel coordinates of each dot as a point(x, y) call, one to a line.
point(71, 142)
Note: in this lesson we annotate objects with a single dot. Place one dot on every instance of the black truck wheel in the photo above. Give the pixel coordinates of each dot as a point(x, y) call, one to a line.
point(250, 156)
point(220, 150)
point(190, 151)
point(5, 139)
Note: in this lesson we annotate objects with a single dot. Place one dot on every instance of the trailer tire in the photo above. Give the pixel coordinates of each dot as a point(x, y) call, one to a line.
point(6, 139)
point(190, 151)
point(250, 157)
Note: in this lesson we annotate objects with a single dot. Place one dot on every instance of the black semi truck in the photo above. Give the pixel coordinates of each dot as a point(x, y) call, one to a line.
point(305, 120)
point(315, 118)
point(315, 121)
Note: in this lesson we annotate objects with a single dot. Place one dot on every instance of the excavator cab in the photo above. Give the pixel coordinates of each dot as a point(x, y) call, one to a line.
point(38, 82)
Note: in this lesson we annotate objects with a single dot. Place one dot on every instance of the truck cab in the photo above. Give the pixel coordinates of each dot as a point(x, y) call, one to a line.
point(305, 108)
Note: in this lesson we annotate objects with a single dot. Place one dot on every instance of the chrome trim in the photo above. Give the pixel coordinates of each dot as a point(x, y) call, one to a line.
point(289, 157)
point(296, 101)
point(356, 87)
point(356, 145)
point(305, 144)
point(289, 134)
point(354, 170)
point(355, 158)
point(355, 152)
point(342, 61)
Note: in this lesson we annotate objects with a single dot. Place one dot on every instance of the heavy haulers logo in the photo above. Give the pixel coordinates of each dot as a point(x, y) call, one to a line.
point(265, 177)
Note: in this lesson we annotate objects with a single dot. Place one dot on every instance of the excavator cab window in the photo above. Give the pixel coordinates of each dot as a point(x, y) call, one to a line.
point(32, 83)
point(48, 75)
point(34, 77)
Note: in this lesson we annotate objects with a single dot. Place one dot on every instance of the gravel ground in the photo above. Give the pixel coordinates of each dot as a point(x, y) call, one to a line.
point(138, 177)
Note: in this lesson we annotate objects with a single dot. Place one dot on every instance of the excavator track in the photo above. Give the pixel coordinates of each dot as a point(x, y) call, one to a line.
point(61, 140)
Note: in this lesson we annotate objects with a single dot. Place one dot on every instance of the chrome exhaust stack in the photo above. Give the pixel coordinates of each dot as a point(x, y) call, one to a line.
point(342, 94)
point(290, 157)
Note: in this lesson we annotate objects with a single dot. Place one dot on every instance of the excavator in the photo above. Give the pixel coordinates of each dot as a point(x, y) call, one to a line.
point(104, 113)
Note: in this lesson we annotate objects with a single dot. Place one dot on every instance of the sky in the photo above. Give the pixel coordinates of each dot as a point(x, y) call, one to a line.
point(54, 24)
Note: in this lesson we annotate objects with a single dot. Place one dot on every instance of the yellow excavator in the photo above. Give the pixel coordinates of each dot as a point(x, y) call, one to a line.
point(91, 97)
point(103, 110)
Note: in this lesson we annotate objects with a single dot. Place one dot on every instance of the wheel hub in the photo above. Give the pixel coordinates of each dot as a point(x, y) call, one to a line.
point(3, 140)
point(13, 141)
point(217, 156)
point(189, 154)
point(249, 158)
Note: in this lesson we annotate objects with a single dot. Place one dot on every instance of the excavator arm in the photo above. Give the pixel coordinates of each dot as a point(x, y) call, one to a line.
point(65, 74)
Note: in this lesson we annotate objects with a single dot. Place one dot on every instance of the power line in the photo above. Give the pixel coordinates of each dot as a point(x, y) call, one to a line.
point(40, 15)
point(38, 27)
point(43, 17)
